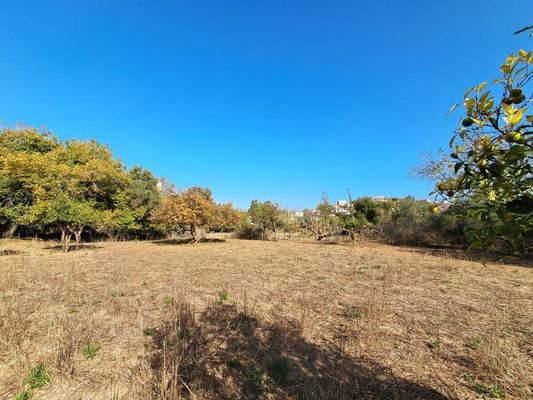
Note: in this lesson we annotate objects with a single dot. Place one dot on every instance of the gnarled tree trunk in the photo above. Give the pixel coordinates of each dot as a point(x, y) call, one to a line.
point(77, 235)
point(197, 233)
point(66, 236)
point(11, 231)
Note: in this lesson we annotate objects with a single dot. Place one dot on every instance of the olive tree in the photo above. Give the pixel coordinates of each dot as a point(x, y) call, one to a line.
point(321, 222)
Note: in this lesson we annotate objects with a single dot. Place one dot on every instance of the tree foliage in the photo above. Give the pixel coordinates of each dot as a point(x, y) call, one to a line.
point(267, 215)
point(64, 212)
point(226, 218)
point(491, 158)
point(196, 210)
point(47, 184)
point(133, 205)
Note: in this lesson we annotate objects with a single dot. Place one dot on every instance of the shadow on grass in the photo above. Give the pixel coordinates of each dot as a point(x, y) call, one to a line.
point(8, 252)
point(330, 242)
point(224, 354)
point(469, 255)
point(187, 240)
point(74, 247)
point(444, 251)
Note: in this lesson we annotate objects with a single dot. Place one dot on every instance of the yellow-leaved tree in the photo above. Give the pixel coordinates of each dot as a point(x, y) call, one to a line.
point(193, 208)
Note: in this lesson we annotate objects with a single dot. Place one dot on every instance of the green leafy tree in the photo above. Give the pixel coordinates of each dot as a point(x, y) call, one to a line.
point(370, 209)
point(122, 219)
point(353, 223)
point(26, 139)
point(491, 158)
point(88, 170)
point(133, 205)
point(142, 189)
point(43, 181)
point(21, 149)
point(47, 184)
point(267, 215)
point(69, 215)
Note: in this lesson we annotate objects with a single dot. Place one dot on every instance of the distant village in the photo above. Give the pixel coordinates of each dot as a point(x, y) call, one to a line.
point(342, 207)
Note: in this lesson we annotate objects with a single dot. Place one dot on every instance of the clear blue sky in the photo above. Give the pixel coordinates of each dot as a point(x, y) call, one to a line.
point(276, 100)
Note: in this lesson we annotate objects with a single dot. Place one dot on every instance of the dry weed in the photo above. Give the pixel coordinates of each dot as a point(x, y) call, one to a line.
point(278, 320)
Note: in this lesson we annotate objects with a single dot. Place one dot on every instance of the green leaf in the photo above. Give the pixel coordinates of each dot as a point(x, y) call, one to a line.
point(452, 140)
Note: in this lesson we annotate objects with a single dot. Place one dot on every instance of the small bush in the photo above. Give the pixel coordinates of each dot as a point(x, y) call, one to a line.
point(411, 222)
point(248, 231)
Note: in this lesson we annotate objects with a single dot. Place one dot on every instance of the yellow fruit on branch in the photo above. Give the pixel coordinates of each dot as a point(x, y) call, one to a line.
point(434, 208)
point(513, 137)
point(482, 164)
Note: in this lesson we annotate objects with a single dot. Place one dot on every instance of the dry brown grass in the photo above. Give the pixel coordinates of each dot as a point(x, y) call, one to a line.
point(301, 320)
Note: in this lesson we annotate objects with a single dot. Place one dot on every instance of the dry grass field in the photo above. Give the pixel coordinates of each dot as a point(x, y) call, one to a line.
point(261, 320)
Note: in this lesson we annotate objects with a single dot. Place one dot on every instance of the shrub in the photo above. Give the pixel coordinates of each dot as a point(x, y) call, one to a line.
point(250, 232)
point(411, 222)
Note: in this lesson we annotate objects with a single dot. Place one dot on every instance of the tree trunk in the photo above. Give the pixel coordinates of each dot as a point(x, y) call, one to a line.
point(193, 234)
point(11, 231)
point(67, 242)
point(77, 235)
point(65, 239)
point(198, 233)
